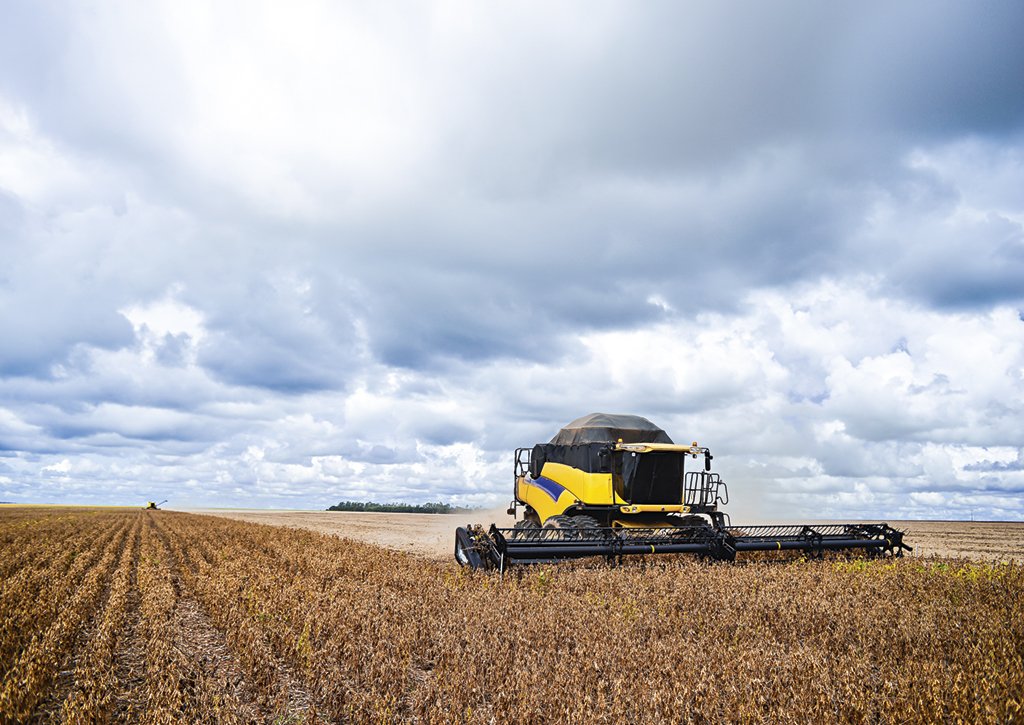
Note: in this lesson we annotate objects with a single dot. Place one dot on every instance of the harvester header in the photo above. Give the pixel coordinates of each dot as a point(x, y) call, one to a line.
point(614, 485)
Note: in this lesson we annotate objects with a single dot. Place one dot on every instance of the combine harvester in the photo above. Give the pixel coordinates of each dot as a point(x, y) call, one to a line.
point(614, 485)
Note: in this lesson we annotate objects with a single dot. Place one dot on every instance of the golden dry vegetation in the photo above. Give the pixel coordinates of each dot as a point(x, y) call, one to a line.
point(154, 616)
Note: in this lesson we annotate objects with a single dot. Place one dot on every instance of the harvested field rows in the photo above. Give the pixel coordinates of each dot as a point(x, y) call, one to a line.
point(153, 616)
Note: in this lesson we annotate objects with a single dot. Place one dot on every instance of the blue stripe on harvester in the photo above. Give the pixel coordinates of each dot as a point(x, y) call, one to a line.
point(552, 489)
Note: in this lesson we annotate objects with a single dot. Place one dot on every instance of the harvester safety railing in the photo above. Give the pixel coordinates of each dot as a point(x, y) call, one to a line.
point(704, 489)
point(522, 464)
point(499, 548)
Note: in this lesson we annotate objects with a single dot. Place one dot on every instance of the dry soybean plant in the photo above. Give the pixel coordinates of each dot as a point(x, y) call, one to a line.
point(155, 616)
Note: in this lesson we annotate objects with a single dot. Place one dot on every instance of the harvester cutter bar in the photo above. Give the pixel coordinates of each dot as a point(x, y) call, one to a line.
point(570, 544)
point(502, 547)
point(817, 538)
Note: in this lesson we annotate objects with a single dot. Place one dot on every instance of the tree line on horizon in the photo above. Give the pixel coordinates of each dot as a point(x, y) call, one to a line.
point(399, 508)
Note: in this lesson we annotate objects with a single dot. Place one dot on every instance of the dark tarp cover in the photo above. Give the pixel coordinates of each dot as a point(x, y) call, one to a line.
point(610, 428)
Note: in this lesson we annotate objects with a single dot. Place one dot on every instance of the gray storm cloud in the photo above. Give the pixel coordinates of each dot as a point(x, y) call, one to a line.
point(288, 256)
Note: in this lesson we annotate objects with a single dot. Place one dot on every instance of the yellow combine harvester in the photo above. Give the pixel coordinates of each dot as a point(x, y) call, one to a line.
point(152, 505)
point(610, 485)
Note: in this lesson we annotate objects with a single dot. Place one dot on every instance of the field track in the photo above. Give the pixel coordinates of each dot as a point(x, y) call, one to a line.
point(163, 617)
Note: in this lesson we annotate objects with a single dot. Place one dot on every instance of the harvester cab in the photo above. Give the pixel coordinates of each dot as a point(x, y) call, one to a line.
point(611, 485)
point(617, 484)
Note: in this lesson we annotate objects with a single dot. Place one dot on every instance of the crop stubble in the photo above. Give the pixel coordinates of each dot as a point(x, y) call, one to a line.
point(153, 616)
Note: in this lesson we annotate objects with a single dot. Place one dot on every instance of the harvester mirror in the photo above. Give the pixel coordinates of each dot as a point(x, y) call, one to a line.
point(604, 460)
point(707, 460)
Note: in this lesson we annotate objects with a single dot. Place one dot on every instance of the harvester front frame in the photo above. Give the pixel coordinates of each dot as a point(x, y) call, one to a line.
point(498, 548)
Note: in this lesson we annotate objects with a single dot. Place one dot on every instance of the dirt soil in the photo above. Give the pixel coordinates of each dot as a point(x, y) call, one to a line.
point(430, 535)
point(433, 534)
point(982, 540)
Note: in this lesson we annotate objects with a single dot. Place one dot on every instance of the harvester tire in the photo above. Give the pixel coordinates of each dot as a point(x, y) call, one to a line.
point(588, 526)
point(560, 523)
point(583, 521)
point(524, 529)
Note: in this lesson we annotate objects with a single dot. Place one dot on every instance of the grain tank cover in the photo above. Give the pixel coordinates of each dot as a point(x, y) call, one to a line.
point(610, 428)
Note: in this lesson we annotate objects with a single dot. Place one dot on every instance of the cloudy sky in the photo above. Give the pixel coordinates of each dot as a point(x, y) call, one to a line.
point(284, 254)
